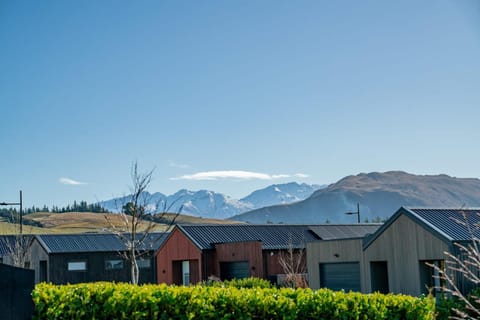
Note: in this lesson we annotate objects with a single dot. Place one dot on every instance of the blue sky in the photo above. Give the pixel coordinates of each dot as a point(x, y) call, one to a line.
point(233, 95)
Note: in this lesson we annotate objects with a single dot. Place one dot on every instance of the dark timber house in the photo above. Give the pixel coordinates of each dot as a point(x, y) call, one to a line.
point(193, 253)
point(75, 258)
point(393, 259)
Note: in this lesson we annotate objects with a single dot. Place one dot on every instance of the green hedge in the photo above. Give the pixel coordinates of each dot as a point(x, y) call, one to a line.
point(445, 305)
point(124, 301)
point(241, 283)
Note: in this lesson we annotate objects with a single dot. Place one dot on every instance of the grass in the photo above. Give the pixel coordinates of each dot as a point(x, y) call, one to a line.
point(82, 222)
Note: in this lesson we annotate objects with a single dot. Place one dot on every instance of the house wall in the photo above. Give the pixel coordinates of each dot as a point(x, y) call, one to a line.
point(402, 245)
point(241, 251)
point(58, 272)
point(57, 267)
point(335, 251)
point(273, 267)
point(37, 254)
point(177, 247)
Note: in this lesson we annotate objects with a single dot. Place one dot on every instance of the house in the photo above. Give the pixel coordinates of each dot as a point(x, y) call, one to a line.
point(393, 259)
point(14, 250)
point(7, 242)
point(193, 253)
point(74, 258)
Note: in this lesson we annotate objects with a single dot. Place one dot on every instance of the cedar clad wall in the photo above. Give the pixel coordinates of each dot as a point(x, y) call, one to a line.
point(177, 248)
point(272, 258)
point(241, 251)
point(271, 261)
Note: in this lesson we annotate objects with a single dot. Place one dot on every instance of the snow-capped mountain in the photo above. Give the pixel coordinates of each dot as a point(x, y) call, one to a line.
point(280, 194)
point(209, 204)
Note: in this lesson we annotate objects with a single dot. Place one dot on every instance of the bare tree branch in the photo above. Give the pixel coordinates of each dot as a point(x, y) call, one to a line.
point(464, 265)
point(293, 264)
point(137, 221)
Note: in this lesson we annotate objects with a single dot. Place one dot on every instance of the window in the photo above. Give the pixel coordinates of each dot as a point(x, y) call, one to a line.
point(143, 263)
point(113, 264)
point(429, 276)
point(77, 266)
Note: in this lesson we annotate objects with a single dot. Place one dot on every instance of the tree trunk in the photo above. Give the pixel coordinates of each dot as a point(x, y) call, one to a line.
point(135, 271)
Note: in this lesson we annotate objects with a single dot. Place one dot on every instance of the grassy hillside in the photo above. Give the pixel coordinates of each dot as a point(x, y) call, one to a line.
point(80, 222)
point(9, 228)
point(379, 195)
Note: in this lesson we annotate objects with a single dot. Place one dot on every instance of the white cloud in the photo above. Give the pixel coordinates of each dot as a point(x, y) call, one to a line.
point(231, 174)
point(301, 175)
point(178, 165)
point(70, 182)
point(280, 176)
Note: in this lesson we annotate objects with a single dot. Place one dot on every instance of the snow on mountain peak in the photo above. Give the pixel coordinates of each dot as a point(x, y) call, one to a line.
point(209, 204)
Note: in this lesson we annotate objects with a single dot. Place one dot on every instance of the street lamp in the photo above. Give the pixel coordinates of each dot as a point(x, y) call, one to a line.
point(16, 204)
point(355, 212)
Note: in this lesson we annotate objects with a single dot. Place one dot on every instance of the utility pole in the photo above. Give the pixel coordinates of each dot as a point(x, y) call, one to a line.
point(21, 209)
point(355, 212)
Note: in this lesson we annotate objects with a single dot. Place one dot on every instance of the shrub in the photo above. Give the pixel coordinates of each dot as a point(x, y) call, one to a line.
point(125, 301)
point(241, 283)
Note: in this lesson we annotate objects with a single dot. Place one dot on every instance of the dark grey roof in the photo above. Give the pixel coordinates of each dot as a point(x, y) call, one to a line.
point(8, 242)
point(93, 242)
point(451, 223)
point(445, 223)
point(344, 231)
point(271, 236)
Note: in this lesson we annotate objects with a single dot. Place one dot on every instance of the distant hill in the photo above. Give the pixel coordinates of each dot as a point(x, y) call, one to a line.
point(80, 222)
point(379, 196)
point(209, 204)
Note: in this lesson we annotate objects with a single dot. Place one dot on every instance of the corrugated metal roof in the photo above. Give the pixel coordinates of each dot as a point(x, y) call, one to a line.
point(6, 242)
point(271, 236)
point(101, 242)
point(9, 242)
point(452, 222)
point(344, 231)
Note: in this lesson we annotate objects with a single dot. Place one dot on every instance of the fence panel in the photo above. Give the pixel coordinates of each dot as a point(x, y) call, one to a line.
point(16, 286)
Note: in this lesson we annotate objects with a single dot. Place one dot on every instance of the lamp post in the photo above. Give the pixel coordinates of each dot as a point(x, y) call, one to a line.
point(355, 212)
point(16, 204)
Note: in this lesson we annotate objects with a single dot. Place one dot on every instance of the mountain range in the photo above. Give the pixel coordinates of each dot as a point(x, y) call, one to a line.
point(379, 195)
point(209, 204)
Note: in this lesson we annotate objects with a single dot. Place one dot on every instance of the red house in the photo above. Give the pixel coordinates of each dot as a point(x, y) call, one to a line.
point(192, 253)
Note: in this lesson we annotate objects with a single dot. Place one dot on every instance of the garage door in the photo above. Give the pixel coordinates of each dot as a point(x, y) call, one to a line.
point(338, 276)
point(237, 270)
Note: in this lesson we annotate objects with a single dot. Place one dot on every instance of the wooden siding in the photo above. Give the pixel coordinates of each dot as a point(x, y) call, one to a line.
point(58, 272)
point(37, 254)
point(57, 267)
point(334, 251)
point(273, 267)
point(403, 245)
point(241, 251)
point(177, 247)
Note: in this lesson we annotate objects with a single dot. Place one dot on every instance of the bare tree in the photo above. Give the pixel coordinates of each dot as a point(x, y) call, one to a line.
point(462, 268)
point(138, 220)
point(18, 246)
point(293, 263)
